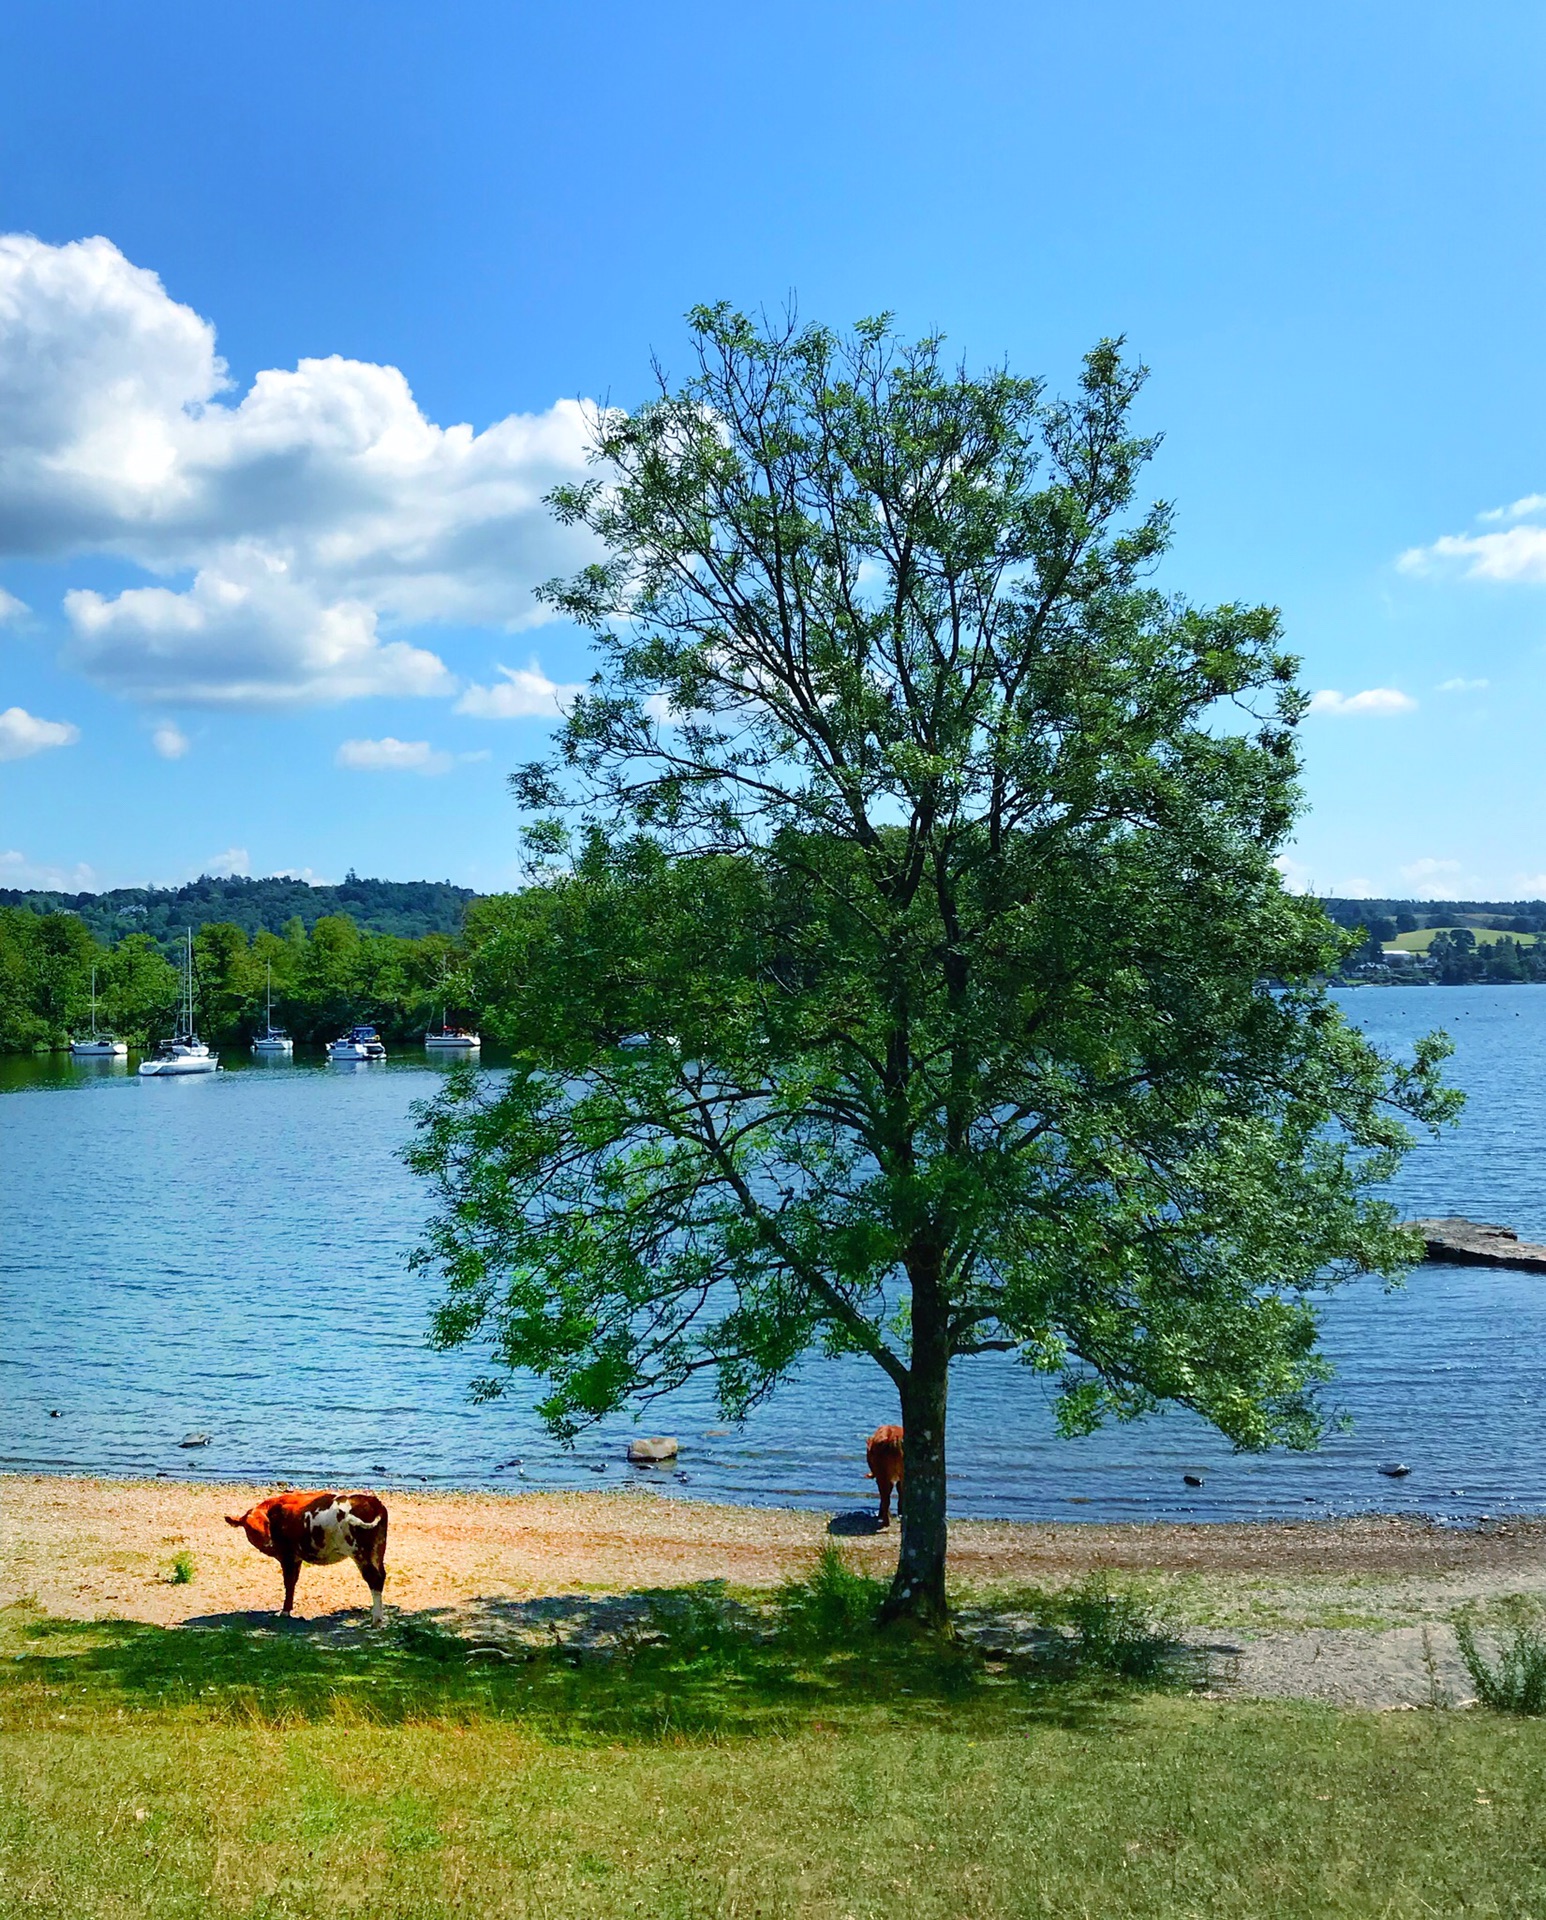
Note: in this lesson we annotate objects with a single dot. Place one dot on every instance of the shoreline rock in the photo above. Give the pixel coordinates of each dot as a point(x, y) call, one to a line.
point(1473, 1243)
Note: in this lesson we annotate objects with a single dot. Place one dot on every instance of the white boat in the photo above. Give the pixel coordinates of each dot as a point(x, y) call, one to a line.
point(359, 1043)
point(185, 1052)
point(448, 1039)
point(273, 1041)
point(101, 1046)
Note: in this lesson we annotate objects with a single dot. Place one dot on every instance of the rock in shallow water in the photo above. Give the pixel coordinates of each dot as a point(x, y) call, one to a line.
point(194, 1440)
point(646, 1452)
point(1473, 1243)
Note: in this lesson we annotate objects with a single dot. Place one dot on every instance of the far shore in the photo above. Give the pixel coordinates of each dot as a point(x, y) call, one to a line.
point(89, 1548)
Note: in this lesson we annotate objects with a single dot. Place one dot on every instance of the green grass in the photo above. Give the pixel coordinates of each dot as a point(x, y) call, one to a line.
point(1422, 940)
point(740, 1756)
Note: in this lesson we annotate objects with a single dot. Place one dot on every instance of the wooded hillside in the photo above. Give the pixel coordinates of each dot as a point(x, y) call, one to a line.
point(408, 909)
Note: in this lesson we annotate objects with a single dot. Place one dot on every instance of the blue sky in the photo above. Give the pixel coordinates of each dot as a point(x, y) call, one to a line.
point(283, 623)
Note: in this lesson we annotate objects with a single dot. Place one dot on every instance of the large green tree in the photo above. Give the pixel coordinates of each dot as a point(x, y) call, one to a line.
point(912, 977)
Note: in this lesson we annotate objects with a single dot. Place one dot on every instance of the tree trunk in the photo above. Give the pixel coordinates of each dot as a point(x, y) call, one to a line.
point(918, 1591)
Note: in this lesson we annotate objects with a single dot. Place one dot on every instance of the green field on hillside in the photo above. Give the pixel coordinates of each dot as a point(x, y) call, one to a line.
point(1423, 939)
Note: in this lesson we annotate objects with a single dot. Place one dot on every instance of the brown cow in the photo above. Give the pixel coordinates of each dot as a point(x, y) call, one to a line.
point(319, 1529)
point(883, 1457)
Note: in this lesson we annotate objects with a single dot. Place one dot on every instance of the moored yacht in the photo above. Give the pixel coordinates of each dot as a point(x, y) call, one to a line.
point(101, 1046)
point(272, 1042)
point(359, 1043)
point(185, 1052)
point(448, 1039)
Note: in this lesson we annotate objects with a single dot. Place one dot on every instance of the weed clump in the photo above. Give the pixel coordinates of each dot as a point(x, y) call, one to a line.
point(182, 1570)
point(1516, 1681)
point(834, 1602)
point(1113, 1631)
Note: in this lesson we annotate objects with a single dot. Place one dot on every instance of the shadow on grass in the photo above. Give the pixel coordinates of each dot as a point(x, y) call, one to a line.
point(690, 1662)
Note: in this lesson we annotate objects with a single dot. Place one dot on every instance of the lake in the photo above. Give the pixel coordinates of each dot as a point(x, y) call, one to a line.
point(228, 1255)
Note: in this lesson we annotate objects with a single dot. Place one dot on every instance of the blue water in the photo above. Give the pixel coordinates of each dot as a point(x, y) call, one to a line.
point(229, 1255)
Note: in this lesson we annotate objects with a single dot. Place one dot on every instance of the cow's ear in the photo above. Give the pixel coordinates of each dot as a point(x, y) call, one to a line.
point(236, 1519)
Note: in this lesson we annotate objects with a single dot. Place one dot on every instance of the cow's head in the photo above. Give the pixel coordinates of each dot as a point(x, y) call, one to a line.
point(255, 1522)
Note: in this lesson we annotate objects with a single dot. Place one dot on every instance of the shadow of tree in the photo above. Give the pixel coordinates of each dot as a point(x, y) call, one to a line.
point(648, 1665)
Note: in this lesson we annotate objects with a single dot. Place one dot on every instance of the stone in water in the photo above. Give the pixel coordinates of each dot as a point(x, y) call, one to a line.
point(194, 1440)
point(646, 1452)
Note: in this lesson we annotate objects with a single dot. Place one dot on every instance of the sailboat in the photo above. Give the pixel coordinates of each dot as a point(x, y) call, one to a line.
point(185, 1052)
point(101, 1046)
point(448, 1039)
point(272, 1040)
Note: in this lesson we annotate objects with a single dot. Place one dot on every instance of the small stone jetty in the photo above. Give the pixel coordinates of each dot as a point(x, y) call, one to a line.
point(1472, 1243)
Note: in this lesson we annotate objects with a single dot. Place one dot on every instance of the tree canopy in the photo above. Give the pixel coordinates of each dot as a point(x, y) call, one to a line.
point(910, 974)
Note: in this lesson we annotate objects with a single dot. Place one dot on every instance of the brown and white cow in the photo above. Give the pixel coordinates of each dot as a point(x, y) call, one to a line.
point(883, 1457)
point(317, 1529)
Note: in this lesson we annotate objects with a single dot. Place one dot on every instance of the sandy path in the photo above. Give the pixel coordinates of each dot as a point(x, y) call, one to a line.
point(86, 1549)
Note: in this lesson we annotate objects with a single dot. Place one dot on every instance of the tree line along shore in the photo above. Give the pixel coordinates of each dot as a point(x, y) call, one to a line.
point(323, 976)
point(396, 952)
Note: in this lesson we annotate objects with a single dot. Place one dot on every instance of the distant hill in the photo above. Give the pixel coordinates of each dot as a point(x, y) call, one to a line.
point(408, 908)
point(1507, 916)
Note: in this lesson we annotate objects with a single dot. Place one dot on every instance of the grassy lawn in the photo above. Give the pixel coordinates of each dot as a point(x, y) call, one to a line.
point(711, 1770)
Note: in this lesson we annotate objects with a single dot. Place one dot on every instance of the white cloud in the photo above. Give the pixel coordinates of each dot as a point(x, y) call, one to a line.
point(1517, 556)
point(235, 862)
point(16, 870)
point(1518, 510)
point(170, 741)
point(23, 734)
point(1459, 685)
point(1373, 700)
point(243, 636)
point(392, 756)
point(317, 512)
point(10, 607)
point(1432, 879)
point(524, 693)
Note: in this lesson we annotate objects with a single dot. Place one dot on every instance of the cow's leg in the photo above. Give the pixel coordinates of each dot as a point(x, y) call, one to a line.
point(883, 1482)
point(375, 1579)
point(370, 1558)
point(291, 1569)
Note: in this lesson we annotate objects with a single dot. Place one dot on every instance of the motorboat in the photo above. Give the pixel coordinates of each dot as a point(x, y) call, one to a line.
point(273, 1042)
point(185, 1052)
point(100, 1046)
point(359, 1043)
